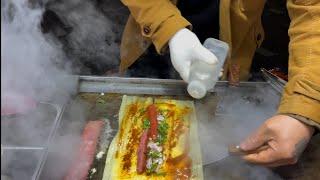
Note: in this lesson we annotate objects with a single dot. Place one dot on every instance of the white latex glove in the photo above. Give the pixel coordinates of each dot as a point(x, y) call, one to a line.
point(186, 48)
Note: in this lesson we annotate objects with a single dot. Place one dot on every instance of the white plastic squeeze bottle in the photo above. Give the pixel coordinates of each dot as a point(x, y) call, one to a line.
point(204, 76)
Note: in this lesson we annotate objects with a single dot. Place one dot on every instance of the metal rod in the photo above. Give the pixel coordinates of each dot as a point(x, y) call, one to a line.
point(52, 133)
point(274, 81)
point(146, 85)
point(152, 81)
point(21, 148)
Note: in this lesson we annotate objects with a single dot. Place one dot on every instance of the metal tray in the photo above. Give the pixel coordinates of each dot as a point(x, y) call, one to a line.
point(19, 130)
point(24, 146)
point(215, 110)
point(13, 166)
point(226, 115)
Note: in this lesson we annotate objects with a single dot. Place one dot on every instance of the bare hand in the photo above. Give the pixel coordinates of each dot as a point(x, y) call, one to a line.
point(285, 137)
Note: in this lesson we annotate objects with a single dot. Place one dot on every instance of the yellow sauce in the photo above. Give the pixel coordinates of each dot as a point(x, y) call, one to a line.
point(177, 165)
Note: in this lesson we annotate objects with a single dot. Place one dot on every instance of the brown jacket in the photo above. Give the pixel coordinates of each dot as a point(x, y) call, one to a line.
point(156, 21)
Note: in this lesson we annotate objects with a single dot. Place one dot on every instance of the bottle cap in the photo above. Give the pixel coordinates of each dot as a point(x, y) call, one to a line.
point(196, 89)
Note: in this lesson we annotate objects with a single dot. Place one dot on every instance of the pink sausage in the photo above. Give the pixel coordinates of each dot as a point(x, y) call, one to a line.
point(85, 157)
point(142, 152)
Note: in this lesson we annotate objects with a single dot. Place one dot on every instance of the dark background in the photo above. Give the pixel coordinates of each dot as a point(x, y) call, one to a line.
point(274, 51)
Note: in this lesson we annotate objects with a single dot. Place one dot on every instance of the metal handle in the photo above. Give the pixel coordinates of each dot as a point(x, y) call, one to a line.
point(237, 151)
point(274, 80)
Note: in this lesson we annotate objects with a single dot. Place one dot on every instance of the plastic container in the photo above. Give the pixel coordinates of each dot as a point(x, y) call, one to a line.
point(204, 76)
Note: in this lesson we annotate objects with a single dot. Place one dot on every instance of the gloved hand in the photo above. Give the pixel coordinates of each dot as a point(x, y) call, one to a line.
point(285, 137)
point(186, 48)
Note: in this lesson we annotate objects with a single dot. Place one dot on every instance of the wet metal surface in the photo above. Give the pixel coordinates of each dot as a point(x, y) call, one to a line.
point(25, 140)
point(41, 118)
point(20, 163)
point(226, 115)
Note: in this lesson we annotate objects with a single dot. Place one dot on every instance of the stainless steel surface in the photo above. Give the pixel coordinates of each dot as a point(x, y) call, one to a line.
point(21, 148)
point(131, 85)
point(213, 111)
point(38, 149)
point(19, 130)
point(20, 163)
point(49, 141)
point(276, 82)
point(226, 115)
point(148, 86)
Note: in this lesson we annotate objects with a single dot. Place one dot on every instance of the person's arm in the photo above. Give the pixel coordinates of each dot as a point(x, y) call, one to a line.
point(159, 20)
point(288, 134)
point(302, 93)
point(162, 23)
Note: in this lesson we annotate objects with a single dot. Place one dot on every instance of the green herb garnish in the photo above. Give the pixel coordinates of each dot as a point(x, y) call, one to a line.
point(141, 111)
point(163, 127)
point(153, 168)
point(154, 154)
point(146, 124)
point(161, 174)
point(162, 132)
point(161, 139)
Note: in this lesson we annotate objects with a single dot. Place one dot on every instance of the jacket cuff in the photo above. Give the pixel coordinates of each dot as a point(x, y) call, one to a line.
point(301, 105)
point(304, 120)
point(166, 30)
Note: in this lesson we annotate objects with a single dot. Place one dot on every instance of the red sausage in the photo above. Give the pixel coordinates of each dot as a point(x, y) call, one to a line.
point(152, 114)
point(85, 156)
point(142, 152)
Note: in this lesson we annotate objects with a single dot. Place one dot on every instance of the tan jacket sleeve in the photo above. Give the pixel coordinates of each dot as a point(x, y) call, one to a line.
point(301, 95)
point(159, 20)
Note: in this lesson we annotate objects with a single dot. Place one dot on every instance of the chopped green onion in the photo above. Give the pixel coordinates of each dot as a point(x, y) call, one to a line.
point(142, 111)
point(163, 127)
point(162, 130)
point(154, 154)
point(146, 124)
point(161, 139)
point(152, 168)
point(161, 174)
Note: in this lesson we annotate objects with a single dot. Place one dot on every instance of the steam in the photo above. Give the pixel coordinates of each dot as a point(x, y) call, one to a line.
point(239, 111)
point(93, 38)
point(66, 144)
point(33, 67)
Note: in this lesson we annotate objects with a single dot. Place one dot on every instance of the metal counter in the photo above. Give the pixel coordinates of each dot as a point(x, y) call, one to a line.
point(24, 154)
point(226, 115)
